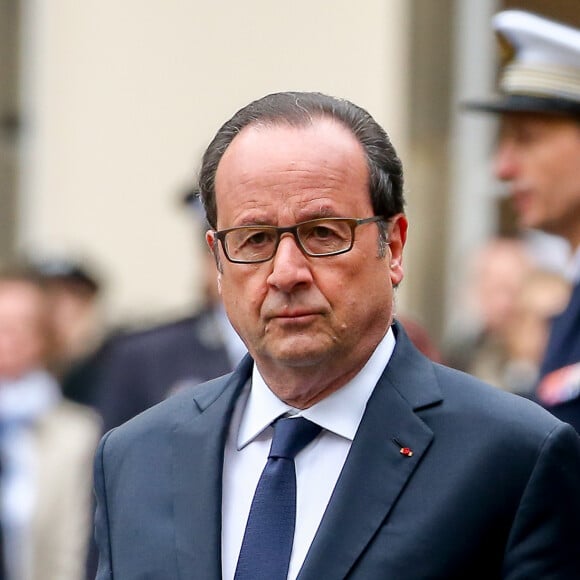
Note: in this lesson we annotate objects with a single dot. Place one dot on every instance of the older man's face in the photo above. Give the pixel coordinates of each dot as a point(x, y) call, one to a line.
point(295, 310)
point(539, 156)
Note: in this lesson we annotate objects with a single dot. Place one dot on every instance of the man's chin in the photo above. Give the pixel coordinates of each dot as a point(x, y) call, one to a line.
point(298, 353)
point(526, 222)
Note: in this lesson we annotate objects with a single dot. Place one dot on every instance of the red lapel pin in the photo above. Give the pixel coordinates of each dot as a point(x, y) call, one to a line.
point(406, 451)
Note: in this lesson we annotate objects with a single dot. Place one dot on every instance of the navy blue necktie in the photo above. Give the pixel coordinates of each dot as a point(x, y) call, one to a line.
point(267, 543)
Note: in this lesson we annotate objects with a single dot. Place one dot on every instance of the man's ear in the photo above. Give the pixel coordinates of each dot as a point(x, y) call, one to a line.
point(397, 238)
point(212, 243)
point(211, 240)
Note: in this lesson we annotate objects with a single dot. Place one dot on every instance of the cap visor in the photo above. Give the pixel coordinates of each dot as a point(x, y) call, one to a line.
point(526, 104)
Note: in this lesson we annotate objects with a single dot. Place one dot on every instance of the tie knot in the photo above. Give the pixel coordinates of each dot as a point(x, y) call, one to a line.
point(291, 436)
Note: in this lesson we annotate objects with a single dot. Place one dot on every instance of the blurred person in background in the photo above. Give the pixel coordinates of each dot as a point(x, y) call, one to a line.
point(74, 294)
point(46, 445)
point(510, 301)
point(497, 271)
point(543, 295)
point(538, 156)
point(142, 367)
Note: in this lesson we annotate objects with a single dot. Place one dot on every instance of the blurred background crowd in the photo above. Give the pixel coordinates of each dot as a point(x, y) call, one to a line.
point(108, 297)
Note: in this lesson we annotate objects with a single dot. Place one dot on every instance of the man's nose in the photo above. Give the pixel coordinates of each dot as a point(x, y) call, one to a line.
point(290, 267)
point(505, 161)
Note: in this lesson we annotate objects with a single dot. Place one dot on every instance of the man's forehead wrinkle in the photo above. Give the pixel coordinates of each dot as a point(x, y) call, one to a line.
point(292, 182)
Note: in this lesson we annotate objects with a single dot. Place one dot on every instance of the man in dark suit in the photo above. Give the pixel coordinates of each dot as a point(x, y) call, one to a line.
point(538, 155)
point(335, 449)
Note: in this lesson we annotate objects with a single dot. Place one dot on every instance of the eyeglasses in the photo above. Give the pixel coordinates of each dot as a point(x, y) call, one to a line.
point(316, 238)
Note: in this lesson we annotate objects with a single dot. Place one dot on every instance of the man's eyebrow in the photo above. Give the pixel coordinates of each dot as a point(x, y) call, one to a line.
point(321, 212)
point(252, 221)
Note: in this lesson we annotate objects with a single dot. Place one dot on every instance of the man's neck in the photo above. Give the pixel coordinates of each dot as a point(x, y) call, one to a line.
point(303, 386)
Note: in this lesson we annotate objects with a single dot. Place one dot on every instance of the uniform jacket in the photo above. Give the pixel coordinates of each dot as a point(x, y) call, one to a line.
point(490, 489)
point(142, 368)
point(563, 350)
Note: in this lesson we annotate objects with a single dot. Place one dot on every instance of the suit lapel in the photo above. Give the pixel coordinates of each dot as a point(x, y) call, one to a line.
point(198, 449)
point(378, 465)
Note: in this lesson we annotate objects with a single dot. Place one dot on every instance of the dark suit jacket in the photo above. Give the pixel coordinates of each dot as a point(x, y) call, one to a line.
point(140, 369)
point(490, 491)
point(563, 349)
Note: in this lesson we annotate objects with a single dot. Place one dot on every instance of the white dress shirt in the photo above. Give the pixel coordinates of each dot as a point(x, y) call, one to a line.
point(318, 466)
point(23, 402)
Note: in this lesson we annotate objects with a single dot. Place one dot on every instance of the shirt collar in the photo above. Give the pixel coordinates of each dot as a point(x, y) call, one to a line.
point(28, 397)
point(341, 412)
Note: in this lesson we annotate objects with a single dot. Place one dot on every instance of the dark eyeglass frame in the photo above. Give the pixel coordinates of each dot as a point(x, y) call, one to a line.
point(353, 223)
